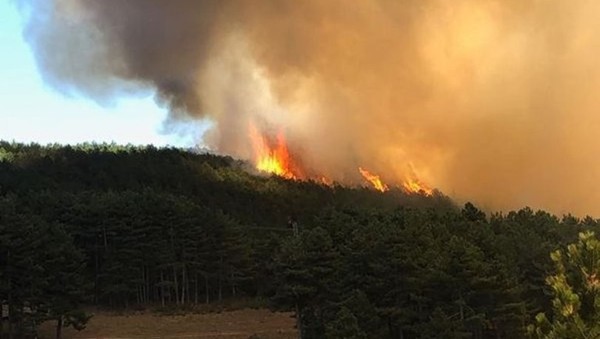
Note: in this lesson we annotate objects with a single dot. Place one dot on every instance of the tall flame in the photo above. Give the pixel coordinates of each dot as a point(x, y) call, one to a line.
point(271, 157)
point(374, 180)
point(412, 183)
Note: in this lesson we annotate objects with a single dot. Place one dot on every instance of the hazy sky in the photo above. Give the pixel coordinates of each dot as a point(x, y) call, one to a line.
point(31, 111)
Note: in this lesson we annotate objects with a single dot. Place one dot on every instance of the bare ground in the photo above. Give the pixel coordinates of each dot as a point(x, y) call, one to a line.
point(225, 325)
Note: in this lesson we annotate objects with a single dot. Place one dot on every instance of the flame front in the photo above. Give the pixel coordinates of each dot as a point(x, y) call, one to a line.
point(271, 157)
point(414, 185)
point(374, 180)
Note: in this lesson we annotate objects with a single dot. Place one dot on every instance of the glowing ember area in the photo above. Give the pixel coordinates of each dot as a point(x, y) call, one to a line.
point(373, 180)
point(271, 156)
point(416, 186)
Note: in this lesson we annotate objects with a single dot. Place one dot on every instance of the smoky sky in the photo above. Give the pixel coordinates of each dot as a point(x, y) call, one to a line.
point(490, 101)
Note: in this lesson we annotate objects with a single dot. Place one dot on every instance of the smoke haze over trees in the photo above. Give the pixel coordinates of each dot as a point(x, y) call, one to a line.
point(492, 101)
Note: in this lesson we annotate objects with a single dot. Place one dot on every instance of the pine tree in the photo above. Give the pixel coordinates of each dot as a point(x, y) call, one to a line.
point(345, 325)
point(306, 267)
point(576, 290)
point(64, 287)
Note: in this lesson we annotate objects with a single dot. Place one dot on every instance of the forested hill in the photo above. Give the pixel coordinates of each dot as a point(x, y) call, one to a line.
point(122, 227)
point(213, 181)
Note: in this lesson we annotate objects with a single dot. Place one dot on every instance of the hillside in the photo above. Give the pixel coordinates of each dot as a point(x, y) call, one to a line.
point(212, 181)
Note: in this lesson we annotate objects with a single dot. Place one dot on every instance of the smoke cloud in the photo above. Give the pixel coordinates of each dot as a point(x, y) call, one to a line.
point(490, 101)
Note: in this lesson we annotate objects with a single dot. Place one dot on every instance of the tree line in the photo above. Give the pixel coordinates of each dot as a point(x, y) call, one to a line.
point(125, 226)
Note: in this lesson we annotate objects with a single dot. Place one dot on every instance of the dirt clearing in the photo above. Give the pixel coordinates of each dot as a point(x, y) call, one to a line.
point(230, 324)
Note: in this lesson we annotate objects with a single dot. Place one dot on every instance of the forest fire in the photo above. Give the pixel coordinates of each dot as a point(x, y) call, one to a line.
point(272, 156)
point(413, 185)
point(416, 186)
point(373, 180)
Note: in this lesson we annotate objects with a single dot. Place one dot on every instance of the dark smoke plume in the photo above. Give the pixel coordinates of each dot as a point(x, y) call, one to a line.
point(488, 100)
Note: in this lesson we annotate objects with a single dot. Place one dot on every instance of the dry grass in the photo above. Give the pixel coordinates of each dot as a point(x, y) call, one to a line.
point(231, 324)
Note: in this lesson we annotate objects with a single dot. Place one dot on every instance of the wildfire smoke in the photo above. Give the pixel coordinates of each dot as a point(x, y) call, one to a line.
point(494, 101)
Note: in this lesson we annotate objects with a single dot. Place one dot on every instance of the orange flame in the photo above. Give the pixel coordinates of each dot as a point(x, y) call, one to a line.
point(413, 184)
point(416, 186)
point(272, 157)
point(374, 180)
